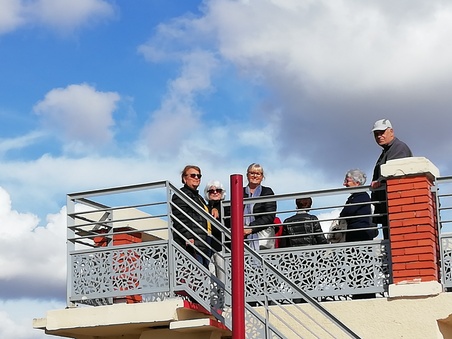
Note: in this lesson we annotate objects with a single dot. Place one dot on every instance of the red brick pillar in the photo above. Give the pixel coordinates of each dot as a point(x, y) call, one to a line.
point(121, 262)
point(413, 227)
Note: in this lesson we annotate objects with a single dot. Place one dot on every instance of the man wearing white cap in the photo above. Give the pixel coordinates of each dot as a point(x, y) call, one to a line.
point(393, 148)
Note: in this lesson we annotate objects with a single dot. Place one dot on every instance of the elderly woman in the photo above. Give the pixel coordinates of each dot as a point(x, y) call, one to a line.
point(258, 217)
point(214, 193)
point(358, 206)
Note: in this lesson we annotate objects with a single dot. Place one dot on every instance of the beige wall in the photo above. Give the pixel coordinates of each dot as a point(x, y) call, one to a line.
point(412, 317)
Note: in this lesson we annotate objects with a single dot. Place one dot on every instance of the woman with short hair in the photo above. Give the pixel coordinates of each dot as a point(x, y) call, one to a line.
point(358, 207)
point(258, 217)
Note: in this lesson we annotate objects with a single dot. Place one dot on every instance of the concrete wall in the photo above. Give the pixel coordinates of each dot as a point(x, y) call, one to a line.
point(412, 317)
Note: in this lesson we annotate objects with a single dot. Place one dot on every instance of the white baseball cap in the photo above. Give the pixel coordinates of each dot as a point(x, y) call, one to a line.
point(382, 125)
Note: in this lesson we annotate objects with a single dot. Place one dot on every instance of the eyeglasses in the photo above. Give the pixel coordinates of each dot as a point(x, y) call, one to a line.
point(257, 174)
point(217, 190)
point(380, 133)
point(194, 175)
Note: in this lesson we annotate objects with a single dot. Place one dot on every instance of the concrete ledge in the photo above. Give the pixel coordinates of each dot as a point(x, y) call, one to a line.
point(197, 324)
point(40, 323)
point(163, 311)
point(407, 166)
point(415, 289)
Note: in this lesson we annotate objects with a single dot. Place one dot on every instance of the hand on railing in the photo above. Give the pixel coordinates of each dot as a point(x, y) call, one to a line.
point(375, 184)
point(215, 213)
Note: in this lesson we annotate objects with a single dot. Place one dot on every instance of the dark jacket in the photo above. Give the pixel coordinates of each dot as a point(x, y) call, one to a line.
point(300, 233)
point(262, 207)
point(358, 222)
point(199, 228)
point(395, 150)
point(216, 233)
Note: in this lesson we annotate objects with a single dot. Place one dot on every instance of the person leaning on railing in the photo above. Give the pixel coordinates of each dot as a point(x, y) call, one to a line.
point(393, 148)
point(358, 206)
point(191, 178)
point(302, 229)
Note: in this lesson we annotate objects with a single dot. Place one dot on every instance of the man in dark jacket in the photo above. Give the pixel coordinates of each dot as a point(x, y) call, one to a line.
point(302, 228)
point(393, 148)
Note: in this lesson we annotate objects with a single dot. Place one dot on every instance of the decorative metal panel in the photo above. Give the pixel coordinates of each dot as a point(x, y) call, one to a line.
point(446, 243)
point(119, 272)
point(351, 268)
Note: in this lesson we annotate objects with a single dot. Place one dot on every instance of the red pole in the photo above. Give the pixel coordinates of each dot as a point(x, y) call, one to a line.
point(237, 256)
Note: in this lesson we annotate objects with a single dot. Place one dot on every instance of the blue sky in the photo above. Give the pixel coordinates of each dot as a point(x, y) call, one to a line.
point(101, 93)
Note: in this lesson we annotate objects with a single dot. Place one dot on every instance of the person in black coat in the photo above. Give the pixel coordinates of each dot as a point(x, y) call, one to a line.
point(360, 213)
point(214, 193)
point(301, 228)
point(259, 216)
point(191, 178)
point(358, 206)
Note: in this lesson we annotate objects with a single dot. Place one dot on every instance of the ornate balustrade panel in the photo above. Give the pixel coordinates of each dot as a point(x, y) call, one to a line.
point(192, 277)
point(446, 244)
point(114, 272)
point(322, 270)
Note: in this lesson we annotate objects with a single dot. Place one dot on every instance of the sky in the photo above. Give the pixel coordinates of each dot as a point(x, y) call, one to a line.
point(103, 93)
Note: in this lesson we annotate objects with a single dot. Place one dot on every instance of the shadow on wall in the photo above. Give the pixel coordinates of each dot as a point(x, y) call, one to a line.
point(445, 327)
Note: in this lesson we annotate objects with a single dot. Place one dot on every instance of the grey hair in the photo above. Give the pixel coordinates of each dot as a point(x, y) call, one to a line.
point(357, 176)
point(216, 184)
point(256, 166)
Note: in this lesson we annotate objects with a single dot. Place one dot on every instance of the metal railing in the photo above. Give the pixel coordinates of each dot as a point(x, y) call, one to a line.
point(443, 191)
point(121, 248)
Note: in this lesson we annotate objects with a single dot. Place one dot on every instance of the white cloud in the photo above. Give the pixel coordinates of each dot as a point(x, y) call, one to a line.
point(11, 15)
point(16, 317)
point(68, 14)
point(61, 15)
point(79, 113)
point(20, 142)
point(178, 117)
point(43, 261)
point(327, 44)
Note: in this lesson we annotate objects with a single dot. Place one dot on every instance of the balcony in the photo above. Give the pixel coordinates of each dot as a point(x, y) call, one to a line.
point(126, 274)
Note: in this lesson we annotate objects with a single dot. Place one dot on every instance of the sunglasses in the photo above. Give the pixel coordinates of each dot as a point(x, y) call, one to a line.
point(218, 190)
point(193, 175)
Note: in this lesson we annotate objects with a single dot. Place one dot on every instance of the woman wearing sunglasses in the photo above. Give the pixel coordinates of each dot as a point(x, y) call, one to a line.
point(214, 193)
point(193, 227)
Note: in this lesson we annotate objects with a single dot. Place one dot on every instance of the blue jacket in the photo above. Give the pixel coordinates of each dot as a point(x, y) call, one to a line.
point(358, 222)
